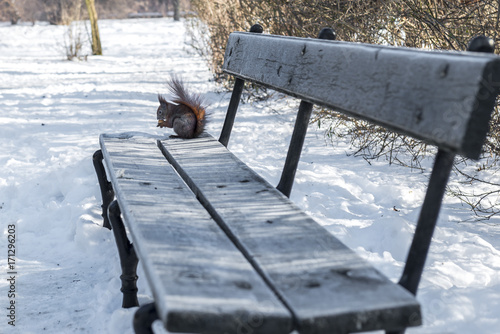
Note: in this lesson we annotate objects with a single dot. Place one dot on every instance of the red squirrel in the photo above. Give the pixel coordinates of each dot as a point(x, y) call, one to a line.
point(186, 115)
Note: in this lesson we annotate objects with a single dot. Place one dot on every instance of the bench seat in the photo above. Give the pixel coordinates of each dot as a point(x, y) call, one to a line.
point(203, 283)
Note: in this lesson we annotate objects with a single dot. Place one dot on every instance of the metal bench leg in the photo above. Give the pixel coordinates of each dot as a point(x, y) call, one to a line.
point(293, 156)
point(144, 318)
point(235, 100)
point(128, 258)
point(427, 221)
point(299, 134)
point(107, 192)
point(231, 111)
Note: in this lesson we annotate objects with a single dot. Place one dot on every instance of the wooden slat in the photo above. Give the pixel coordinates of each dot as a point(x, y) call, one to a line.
point(326, 285)
point(444, 98)
point(200, 281)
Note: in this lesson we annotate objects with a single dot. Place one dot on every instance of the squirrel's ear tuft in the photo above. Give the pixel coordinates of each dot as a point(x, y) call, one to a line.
point(162, 100)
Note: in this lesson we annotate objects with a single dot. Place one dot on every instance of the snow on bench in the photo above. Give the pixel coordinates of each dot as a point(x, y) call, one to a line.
point(226, 252)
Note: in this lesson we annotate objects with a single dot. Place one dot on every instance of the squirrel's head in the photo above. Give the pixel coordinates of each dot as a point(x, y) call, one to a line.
point(161, 113)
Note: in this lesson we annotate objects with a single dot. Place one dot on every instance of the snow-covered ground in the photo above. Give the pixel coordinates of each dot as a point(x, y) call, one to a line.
point(66, 264)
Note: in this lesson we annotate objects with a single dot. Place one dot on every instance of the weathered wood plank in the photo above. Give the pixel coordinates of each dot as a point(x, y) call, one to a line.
point(444, 98)
point(201, 282)
point(326, 285)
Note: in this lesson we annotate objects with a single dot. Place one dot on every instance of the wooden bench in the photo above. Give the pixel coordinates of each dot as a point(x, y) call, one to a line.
point(226, 252)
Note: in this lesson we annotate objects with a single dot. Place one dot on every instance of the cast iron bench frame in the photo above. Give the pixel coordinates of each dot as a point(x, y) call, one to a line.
point(446, 99)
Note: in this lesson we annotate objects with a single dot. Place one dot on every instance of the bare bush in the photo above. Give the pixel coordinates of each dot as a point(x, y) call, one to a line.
point(115, 9)
point(29, 10)
point(62, 12)
point(53, 10)
point(443, 24)
point(354, 20)
point(480, 193)
point(71, 13)
point(8, 11)
point(122, 8)
point(217, 19)
point(372, 141)
point(74, 41)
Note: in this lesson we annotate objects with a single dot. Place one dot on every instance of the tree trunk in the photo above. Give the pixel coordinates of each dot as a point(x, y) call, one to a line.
point(96, 39)
point(176, 10)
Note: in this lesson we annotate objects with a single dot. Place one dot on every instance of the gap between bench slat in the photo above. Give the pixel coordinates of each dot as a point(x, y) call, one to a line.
point(329, 288)
point(200, 281)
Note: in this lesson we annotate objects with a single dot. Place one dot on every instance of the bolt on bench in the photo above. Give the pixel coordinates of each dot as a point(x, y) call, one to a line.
point(225, 252)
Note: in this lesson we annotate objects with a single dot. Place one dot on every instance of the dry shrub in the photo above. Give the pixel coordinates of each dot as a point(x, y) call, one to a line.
point(53, 10)
point(215, 21)
point(445, 24)
point(354, 21)
point(29, 10)
point(62, 12)
point(372, 141)
point(121, 8)
point(114, 9)
point(8, 11)
point(75, 39)
point(481, 193)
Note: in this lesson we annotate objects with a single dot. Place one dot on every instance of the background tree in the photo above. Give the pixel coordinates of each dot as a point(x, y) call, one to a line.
point(176, 10)
point(96, 38)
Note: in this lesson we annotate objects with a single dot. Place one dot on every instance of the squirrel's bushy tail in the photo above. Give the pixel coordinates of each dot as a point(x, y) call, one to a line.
point(193, 101)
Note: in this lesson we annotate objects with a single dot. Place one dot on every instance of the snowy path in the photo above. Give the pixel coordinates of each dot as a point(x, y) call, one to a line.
point(51, 113)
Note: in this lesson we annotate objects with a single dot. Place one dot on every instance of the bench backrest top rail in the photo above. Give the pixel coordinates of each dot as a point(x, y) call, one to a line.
point(201, 281)
point(444, 98)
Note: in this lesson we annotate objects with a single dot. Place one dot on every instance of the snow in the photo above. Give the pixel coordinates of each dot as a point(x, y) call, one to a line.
point(51, 114)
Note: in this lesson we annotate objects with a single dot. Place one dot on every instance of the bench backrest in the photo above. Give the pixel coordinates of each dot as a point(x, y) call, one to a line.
point(443, 98)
